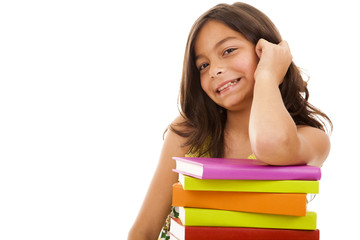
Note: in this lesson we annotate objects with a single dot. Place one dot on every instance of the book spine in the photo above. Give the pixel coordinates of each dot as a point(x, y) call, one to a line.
point(222, 168)
point(219, 233)
point(224, 218)
point(272, 203)
point(279, 173)
point(178, 231)
point(280, 186)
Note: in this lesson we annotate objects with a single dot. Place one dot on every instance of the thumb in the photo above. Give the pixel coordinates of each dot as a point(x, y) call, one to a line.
point(259, 47)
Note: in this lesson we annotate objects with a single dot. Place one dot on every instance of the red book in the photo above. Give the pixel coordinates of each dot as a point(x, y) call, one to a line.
point(181, 232)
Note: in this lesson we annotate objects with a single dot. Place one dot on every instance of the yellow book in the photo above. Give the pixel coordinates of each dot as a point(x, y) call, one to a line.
point(224, 218)
point(278, 186)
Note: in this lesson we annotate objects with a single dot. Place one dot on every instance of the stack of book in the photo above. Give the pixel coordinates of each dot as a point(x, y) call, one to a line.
point(244, 199)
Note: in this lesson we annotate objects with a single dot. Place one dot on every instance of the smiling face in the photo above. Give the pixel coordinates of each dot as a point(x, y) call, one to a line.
point(227, 62)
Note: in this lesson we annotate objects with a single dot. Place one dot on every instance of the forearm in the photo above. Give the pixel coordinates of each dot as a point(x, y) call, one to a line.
point(157, 203)
point(156, 206)
point(273, 133)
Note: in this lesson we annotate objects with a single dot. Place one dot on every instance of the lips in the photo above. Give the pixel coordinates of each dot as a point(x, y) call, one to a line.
point(227, 84)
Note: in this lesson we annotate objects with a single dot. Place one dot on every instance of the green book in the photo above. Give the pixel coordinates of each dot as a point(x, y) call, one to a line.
point(276, 186)
point(224, 218)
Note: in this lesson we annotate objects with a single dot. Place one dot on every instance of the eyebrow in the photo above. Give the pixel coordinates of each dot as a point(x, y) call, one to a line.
point(217, 45)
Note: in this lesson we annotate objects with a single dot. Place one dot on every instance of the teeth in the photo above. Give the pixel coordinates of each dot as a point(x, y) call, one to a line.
point(228, 85)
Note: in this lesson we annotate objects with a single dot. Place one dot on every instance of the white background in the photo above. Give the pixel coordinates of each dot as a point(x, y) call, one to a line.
point(88, 87)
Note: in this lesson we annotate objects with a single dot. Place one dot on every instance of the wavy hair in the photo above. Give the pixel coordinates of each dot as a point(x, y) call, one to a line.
point(204, 121)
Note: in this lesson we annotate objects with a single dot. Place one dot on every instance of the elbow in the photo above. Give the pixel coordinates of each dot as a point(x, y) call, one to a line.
point(276, 149)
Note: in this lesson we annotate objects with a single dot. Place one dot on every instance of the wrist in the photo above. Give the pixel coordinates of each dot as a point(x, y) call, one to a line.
point(268, 78)
point(265, 83)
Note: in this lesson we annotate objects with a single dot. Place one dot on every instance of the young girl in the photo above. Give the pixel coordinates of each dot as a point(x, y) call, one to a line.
point(241, 96)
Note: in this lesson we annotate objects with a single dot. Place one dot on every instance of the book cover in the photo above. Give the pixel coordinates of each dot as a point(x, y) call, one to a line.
point(251, 169)
point(272, 203)
point(275, 186)
point(224, 218)
point(181, 232)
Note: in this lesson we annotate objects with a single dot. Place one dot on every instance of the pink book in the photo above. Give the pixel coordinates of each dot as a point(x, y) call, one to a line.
point(245, 169)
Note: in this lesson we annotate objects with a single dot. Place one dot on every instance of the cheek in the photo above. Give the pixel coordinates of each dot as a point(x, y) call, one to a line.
point(246, 64)
point(205, 85)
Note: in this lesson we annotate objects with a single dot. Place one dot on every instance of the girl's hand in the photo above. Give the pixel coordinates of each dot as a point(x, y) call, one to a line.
point(274, 61)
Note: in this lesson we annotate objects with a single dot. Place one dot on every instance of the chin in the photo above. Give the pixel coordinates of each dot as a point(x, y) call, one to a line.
point(237, 106)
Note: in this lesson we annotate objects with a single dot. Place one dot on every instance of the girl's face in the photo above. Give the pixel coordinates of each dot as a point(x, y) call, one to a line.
point(227, 62)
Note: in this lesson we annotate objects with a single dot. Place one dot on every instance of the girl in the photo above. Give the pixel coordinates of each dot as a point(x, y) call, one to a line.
point(241, 96)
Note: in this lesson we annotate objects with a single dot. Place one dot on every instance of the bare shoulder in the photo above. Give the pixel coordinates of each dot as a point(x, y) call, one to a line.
point(179, 130)
point(180, 124)
point(173, 141)
point(315, 144)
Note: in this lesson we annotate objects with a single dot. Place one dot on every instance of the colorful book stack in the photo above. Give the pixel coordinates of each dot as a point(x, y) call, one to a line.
point(244, 199)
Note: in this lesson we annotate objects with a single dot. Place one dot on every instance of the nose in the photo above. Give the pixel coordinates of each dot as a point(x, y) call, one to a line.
point(216, 71)
point(215, 75)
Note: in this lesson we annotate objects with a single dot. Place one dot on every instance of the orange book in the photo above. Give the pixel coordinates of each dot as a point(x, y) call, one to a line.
point(272, 203)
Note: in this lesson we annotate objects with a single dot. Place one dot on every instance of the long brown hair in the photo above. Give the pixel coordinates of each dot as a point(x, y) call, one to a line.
point(204, 120)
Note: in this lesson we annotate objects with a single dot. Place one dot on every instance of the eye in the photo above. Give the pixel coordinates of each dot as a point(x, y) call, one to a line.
point(228, 51)
point(203, 66)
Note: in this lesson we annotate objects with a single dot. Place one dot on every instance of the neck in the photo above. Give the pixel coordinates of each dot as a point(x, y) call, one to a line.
point(238, 122)
point(236, 135)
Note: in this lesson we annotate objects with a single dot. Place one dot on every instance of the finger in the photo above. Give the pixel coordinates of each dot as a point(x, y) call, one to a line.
point(283, 43)
point(259, 46)
point(285, 46)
